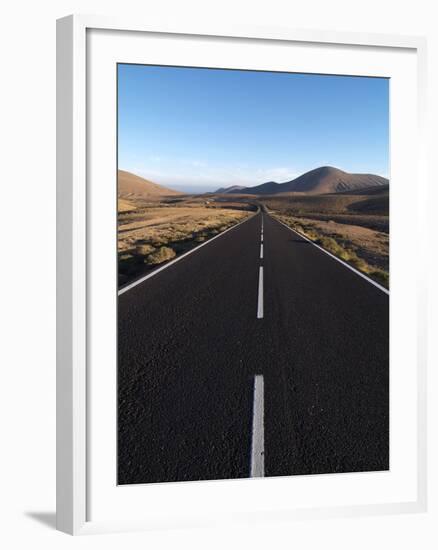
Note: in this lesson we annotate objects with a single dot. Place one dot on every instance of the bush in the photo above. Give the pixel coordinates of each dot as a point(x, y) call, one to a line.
point(337, 249)
point(159, 256)
point(330, 244)
point(144, 249)
point(159, 241)
point(360, 264)
point(381, 277)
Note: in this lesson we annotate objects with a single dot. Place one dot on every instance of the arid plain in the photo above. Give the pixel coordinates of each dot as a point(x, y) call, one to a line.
point(346, 214)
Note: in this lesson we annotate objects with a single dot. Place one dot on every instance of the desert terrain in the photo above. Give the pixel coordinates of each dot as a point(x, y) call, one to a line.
point(156, 224)
point(347, 214)
point(353, 225)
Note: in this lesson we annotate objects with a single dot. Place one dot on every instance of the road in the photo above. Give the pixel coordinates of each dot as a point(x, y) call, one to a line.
point(241, 360)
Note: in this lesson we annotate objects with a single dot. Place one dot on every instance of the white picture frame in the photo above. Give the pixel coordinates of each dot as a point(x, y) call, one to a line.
point(74, 399)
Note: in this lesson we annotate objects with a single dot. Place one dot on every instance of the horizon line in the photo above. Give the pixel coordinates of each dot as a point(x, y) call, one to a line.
point(138, 173)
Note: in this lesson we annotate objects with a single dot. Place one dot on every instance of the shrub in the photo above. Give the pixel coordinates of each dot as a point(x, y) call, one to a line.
point(330, 244)
point(360, 264)
point(158, 241)
point(159, 256)
point(144, 249)
point(381, 277)
point(338, 249)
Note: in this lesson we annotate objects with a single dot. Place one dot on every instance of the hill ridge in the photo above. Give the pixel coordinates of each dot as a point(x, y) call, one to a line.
point(230, 189)
point(131, 185)
point(321, 180)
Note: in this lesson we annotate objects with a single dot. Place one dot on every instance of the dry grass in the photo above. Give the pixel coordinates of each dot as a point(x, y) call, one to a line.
point(161, 226)
point(155, 233)
point(365, 249)
point(367, 210)
point(160, 255)
point(354, 225)
point(125, 205)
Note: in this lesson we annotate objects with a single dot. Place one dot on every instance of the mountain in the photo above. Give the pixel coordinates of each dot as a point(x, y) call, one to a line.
point(231, 189)
point(325, 179)
point(377, 190)
point(377, 202)
point(130, 185)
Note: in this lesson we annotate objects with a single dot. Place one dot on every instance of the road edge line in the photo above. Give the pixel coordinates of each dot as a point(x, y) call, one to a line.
point(350, 267)
point(162, 268)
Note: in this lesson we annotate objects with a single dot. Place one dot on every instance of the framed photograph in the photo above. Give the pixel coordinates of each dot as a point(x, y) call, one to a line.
point(241, 297)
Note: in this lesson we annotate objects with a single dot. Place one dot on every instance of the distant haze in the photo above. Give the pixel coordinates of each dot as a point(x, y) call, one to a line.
point(194, 188)
point(322, 180)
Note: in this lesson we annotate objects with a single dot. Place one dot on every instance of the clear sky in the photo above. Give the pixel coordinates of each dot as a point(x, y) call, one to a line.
point(199, 129)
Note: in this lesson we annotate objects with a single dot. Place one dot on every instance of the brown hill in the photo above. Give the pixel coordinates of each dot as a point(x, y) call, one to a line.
point(332, 180)
point(230, 189)
point(379, 190)
point(325, 179)
point(130, 185)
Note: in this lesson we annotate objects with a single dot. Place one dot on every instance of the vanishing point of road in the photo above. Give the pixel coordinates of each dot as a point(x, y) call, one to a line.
point(255, 355)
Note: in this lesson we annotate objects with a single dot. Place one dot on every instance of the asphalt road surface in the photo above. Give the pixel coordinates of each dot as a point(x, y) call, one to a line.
point(245, 360)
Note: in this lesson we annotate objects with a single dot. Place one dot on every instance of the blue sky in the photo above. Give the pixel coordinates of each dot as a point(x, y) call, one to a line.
point(199, 129)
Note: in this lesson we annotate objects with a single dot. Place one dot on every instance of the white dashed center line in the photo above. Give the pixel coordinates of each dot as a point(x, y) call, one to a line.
point(258, 430)
point(257, 468)
point(260, 300)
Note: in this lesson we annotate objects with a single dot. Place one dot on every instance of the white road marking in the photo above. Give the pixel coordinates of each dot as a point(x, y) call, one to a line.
point(258, 430)
point(165, 266)
point(260, 300)
point(261, 251)
point(380, 287)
